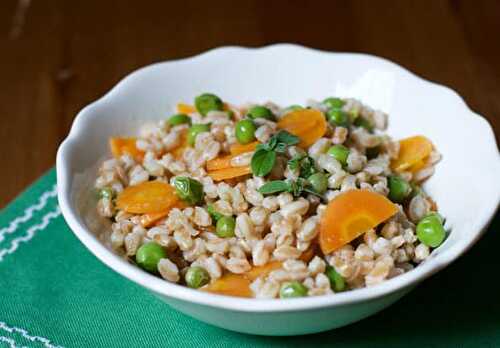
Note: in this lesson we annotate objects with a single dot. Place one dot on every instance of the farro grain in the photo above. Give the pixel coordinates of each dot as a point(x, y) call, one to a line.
point(237, 265)
point(168, 270)
point(260, 254)
point(284, 252)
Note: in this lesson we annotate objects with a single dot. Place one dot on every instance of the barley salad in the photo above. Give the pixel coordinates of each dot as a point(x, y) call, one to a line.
point(270, 202)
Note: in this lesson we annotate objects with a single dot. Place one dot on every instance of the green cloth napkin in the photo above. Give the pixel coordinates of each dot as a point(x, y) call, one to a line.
point(55, 293)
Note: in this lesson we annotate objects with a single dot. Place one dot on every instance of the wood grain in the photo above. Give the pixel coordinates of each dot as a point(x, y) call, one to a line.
point(68, 53)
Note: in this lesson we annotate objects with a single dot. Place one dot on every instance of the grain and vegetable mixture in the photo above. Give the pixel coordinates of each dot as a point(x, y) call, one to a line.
point(270, 202)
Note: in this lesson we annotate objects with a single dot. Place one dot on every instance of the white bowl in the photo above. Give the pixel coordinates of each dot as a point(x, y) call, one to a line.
point(466, 184)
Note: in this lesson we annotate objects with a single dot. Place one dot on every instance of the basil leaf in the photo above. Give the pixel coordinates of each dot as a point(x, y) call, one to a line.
point(264, 157)
point(293, 164)
point(274, 187)
point(280, 148)
point(287, 138)
point(271, 144)
point(261, 147)
point(262, 162)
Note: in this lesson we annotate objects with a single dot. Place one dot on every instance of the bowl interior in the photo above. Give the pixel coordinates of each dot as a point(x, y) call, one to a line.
point(465, 185)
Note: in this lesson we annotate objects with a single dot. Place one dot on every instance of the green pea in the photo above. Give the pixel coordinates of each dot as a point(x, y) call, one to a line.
point(148, 255)
point(225, 227)
point(340, 153)
point(337, 282)
point(196, 277)
point(415, 190)
point(338, 117)
point(430, 231)
point(208, 102)
point(245, 131)
point(319, 182)
point(188, 189)
point(213, 213)
point(399, 189)
point(363, 122)
point(195, 130)
point(260, 112)
point(292, 108)
point(106, 192)
point(436, 215)
point(178, 119)
point(293, 289)
point(333, 102)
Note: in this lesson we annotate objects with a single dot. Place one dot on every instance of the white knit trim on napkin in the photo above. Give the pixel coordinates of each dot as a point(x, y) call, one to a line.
point(30, 233)
point(45, 341)
point(11, 343)
point(28, 212)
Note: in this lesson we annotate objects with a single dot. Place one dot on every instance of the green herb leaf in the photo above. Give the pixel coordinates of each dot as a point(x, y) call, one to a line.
point(264, 157)
point(298, 186)
point(307, 167)
point(263, 162)
point(280, 148)
point(261, 147)
point(308, 190)
point(304, 164)
point(274, 187)
point(287, 138)
point(272, 143)
point(294, 163)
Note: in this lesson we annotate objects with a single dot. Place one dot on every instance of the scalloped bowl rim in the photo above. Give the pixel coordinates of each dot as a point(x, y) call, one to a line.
point(167, 289)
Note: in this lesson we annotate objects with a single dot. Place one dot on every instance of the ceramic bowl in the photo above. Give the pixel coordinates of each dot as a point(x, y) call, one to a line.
point(466, 184)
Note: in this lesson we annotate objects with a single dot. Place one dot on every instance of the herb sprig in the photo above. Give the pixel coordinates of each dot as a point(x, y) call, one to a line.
point(295, 187)
point(304, 165)
point(265, 155)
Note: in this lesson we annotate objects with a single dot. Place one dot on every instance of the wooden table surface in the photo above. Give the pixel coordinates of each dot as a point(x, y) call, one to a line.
point(57, 56)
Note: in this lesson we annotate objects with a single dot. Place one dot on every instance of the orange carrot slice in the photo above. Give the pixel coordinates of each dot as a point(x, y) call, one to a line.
point(412, 153)
point(312, 135)
point(149, 219)
point(185, 108)
point(299, 121)
point(308, 124)
point(219, 163)
point(351, 214)
point(231, 285)
point(258, 271)
point(228, 173)
point(147, 197)
point(120, 146)
point(238, 149)
point(225, 161)
point(417, 166)
point(239, 284)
